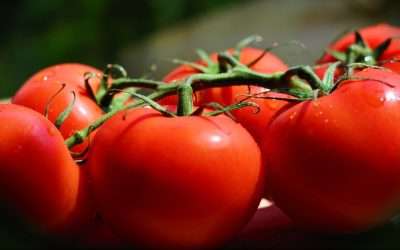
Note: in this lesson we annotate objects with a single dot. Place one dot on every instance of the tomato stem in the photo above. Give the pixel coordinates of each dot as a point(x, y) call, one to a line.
point(227, 109)
point(239, 74)
point(185, 100)
point(81, 135)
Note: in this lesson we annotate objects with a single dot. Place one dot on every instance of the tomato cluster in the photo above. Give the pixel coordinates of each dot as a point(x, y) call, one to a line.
point(82, 162)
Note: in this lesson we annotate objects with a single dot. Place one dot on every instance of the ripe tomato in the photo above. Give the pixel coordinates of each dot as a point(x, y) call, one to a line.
point(373, 35)
point(254, 122)
point(38, 90)
point(334, 163)
point(195, 189)
point(36, 94)
point(38, 177)
point(100, 236)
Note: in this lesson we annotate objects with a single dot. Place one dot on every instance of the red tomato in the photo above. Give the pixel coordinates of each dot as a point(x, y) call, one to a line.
point(100, 236)
point(36, 94)
point(373, 35)
point(184, 182)
point(334, 163)
point(254, 123)
point(392, 65)
point(38, 177)
point(38, 90)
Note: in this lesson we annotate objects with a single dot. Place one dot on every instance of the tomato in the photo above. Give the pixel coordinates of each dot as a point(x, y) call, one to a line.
point(334, 163)
point(373, 35)
point(100, 236)
point(254, 122)
point(38, 177)
point(182, 182)
point(37, 91)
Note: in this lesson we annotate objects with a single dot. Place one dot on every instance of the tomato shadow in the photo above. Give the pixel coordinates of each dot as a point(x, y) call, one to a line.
point(270, 228)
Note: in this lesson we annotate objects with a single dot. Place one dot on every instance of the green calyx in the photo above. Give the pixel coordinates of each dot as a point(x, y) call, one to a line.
point(360, 52)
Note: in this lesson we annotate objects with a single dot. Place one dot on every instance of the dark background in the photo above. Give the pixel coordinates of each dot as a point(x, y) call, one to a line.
point(38, 33)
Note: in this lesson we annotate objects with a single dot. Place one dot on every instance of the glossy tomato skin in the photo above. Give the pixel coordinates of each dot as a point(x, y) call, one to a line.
point(36, 94)
point(100, 236)
point(38, 90)
point(392, 65)
point(333, 162)
point(374, 35)
point(253, 122)
point(186, 182)
point(38, 178)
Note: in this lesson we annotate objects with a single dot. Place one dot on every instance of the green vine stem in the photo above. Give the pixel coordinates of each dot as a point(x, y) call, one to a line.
point(237, 74)
point(81, 135)
point(226, 110)
point(185, 101)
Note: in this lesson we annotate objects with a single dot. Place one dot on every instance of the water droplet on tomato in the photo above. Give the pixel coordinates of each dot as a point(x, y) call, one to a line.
point(326, 121)
point(46, 75)
point(391, 96)
point(215, 138)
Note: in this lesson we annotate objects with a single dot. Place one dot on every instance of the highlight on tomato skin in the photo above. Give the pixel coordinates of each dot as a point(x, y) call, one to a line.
point(44, 90)
point(333, 166)
point(175, 182)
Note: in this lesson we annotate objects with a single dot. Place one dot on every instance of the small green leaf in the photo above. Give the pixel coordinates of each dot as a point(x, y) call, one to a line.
point(64, 115)
point(329, 77)
point(195, 66)
point(244, 43)
point(198, 111)
point(87, 76)
point(301, 94)
point(360, 40)
point(150, 102)
point(47, 107)
point(340, 56)
point(220, 109)
point(120, 100)
point(116, 71)
point(378, 51)
point(204, 56)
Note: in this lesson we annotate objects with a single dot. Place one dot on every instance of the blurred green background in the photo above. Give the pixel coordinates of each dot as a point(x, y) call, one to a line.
point(35, 34)
point(38, 33)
